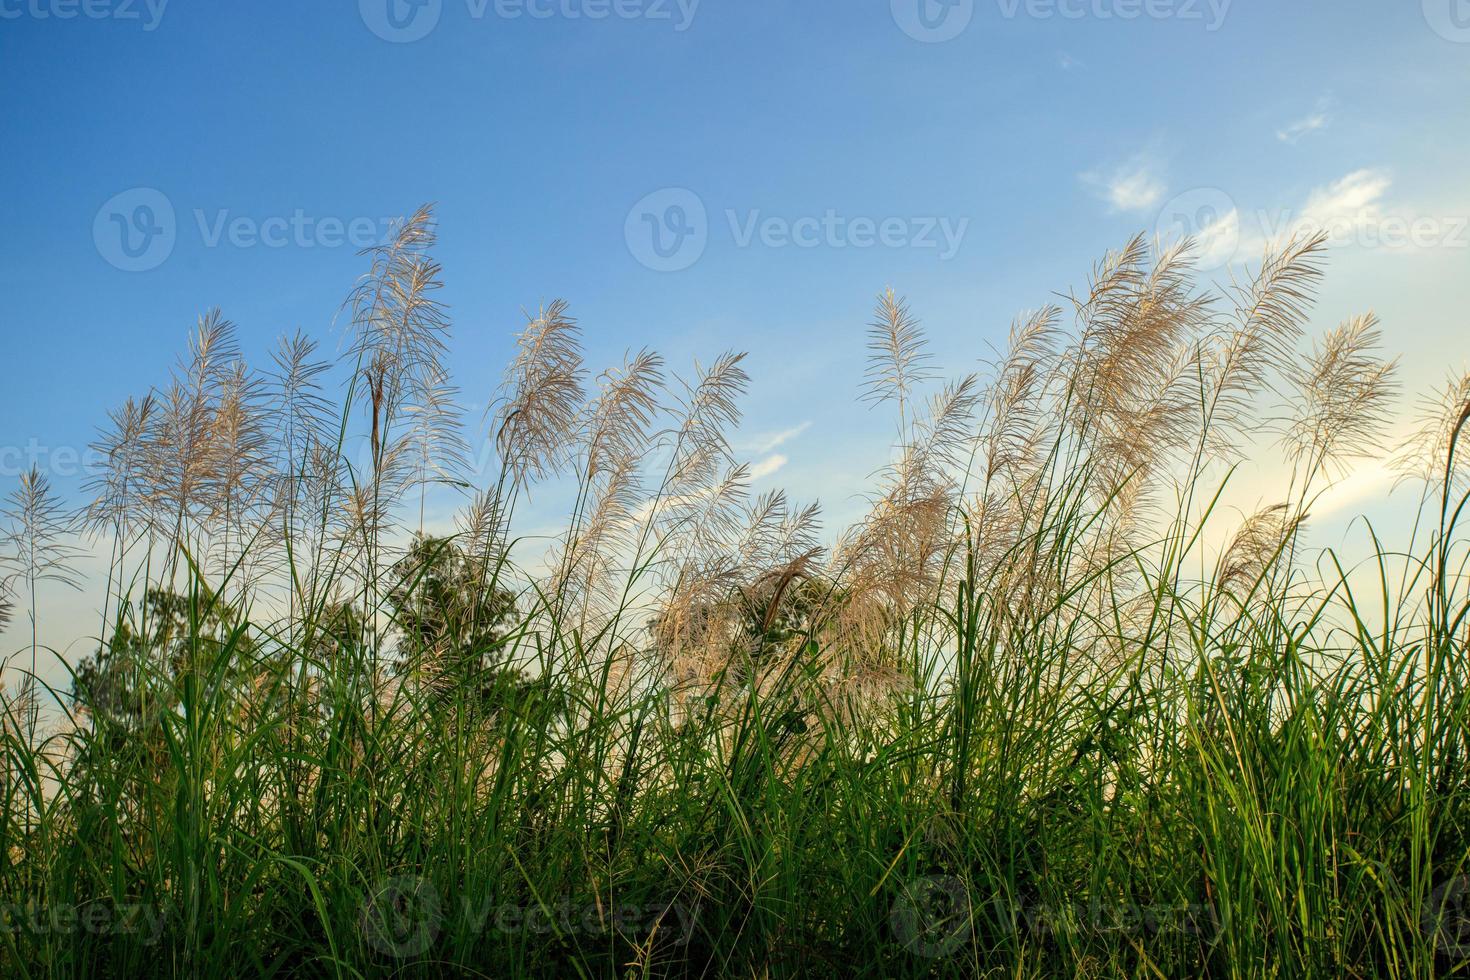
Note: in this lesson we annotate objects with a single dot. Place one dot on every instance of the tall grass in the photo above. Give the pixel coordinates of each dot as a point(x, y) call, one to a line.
point(1041, 712)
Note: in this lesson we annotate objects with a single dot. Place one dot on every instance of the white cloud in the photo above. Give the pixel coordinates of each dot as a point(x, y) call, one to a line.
point(1342, 210)
point(1134, 186)
point(765, 442)
point(767, 466)
point(1318, 120)
point(1351, 200)
point(1217, 241)
point(1370, 482)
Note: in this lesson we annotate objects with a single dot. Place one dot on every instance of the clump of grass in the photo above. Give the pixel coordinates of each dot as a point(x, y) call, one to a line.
point(1022, 719)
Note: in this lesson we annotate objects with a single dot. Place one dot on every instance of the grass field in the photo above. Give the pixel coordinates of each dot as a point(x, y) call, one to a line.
point(1049, 709)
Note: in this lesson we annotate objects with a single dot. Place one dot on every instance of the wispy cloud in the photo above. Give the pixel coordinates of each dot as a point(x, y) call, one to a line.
point(1368, 483)
point(1318, 120)
point(767, 467)
point(767, 441)
point(1134, 186)
point(1352, 199)
point(1217, 241)
point(1342, 209)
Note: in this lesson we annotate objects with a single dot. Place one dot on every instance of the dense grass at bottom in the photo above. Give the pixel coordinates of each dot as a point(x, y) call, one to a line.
point(1259, 806)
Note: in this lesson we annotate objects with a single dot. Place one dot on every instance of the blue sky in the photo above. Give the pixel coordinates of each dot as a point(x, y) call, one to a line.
point(1039, 134)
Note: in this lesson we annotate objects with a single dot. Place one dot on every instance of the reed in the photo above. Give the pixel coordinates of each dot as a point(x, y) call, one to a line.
point(1041, 711)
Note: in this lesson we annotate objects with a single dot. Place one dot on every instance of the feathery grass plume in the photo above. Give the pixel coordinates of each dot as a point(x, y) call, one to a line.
point(698, 499)
point(1426, 452)
point(482, 526)
point(898, 357)
point(37, 526)
point(892, 559)
point(587, 556)
point(944, 436)
point(182, 459)
point(300, 415)
point(241, 491)
point(776, 553)
point(434, 443)
point(1256, 545)
point(37, 550)
point(305, 467)
point(613, 437)
point(1016, 423)
point(619, 419)
point(693, 627)
point(117, 489)
point(1134, 389)
point(1133, 396)
point(698, 524)
point(1344, 388)
point(1019, 424)
point(401, 329)
point(709, 409)
point(542, 397)
point(1258, 341)
point(694, 515)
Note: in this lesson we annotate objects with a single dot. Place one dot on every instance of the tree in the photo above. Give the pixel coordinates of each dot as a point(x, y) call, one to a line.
point(451, 615)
